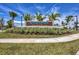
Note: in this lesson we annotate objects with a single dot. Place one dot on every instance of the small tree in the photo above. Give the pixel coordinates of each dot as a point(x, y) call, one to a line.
point(68, 19)
point(10, 22)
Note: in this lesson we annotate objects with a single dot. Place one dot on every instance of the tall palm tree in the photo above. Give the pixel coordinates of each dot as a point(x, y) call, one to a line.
point(39, 17)
point(53, 16)
point(12, 15)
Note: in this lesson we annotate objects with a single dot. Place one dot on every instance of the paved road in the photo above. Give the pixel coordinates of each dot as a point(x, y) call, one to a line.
point(42, 40)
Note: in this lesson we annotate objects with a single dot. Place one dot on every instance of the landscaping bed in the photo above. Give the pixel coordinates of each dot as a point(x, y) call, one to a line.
point(40, 31)
point(36, 33)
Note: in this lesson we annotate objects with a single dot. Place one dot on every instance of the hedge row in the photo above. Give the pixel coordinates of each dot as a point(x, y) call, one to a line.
point(46, 31)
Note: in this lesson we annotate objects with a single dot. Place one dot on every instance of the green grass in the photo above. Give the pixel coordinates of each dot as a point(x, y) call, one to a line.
point(68, 48)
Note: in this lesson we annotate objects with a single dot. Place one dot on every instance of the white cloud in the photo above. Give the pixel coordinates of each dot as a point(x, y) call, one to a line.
point(40, 7)
point(19, 21)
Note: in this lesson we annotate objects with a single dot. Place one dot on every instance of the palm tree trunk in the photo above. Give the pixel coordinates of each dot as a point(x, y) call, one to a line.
point(21, 22)
point(76, 23)
point(13, 22)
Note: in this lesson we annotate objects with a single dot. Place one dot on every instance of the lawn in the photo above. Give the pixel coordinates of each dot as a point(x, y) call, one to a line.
point(67, 48)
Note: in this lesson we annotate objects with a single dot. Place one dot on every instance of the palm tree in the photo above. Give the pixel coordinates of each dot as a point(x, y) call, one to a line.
point(13, 15)
point(53, 16)
point(27, 17)
point(39, 17)
point(1, 23)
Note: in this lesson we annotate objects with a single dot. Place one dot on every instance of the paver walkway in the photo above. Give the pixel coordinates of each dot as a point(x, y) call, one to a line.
point(42, 40)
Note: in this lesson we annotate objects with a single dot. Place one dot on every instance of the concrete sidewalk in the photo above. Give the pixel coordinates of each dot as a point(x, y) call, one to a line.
point(77, 53)
point(42, 40)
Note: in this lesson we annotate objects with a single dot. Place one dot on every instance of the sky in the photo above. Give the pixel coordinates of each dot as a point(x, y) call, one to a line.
point(45, 8)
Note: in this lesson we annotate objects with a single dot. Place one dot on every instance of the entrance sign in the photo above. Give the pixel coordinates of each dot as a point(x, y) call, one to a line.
point(39, 23)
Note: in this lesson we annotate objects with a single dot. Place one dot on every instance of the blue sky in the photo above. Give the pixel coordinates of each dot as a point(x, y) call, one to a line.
point(44, 8)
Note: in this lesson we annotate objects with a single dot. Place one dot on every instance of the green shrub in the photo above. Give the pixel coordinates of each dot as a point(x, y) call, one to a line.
point(41, 31)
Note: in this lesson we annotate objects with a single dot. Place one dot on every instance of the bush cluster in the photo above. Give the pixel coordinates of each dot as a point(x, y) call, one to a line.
point(39, 31)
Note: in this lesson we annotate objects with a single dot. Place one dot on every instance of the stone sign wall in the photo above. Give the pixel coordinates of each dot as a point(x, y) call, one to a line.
point(38, 23)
